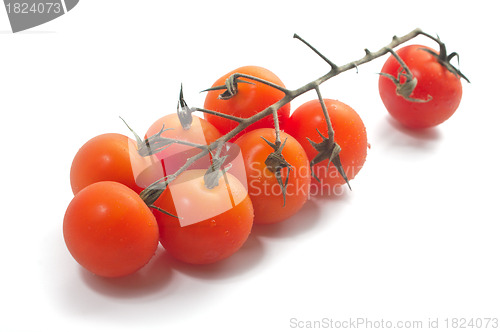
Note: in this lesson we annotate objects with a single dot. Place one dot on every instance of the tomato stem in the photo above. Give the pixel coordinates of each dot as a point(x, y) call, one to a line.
point(331, 133)
point(216, 169)
point(157, 143)
point(332, 65)
point(152, 192)
point(327, 149)
point(275, 162)
point(405, 88)
point(443, 57)
point(260, 80)
point(184, 113)
point(230, 87)
point(222, 115)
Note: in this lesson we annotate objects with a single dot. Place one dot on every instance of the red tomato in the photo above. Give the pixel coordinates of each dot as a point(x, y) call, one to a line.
point(175, 156)
point(113, 157)
point(212, 224)
point(350, 135)
point(433, 80)
point(250, 100)
point(109, 230)
point(263, 186)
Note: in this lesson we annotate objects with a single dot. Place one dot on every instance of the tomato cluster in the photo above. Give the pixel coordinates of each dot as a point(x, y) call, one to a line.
point(199, 187)
point(112, 231)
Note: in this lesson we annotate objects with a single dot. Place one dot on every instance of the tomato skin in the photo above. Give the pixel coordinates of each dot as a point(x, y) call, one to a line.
point(263, 187)
point(349, 133)
point(109, 230)
point(250, 100)
point(113, 157)
point(433, 79)
point(219, 219)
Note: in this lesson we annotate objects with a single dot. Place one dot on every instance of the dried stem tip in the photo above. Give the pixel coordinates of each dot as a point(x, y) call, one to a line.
point(275, 162)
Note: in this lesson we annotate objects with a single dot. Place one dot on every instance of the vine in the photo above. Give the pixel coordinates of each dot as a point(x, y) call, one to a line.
point(327, 148)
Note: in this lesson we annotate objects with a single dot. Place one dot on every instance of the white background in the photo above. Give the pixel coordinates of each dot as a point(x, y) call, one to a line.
point(416, 239)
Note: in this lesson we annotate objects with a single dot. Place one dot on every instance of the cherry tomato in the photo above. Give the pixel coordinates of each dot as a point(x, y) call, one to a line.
point(113, 157)
point(174, 156)
point(263, 187)
point(349, 134)
point(109, 230)
point(211, 224)
point(433, 81)
point(249, 100)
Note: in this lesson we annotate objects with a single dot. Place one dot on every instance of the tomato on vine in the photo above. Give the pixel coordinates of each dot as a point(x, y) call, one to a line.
point(436, 95)
point(175, 155)
point(308, 124)
point(278, 178)
point(109, 230)
point(251, 98)
point(207, 225)
point(113, 157)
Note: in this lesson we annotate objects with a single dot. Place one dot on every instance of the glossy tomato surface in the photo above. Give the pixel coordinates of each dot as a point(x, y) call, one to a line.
point(210, 224)
point(263, 187)
point(250, 100)
point(109, 230)
point(113, 157)
point(435, 83)
point(350, 134)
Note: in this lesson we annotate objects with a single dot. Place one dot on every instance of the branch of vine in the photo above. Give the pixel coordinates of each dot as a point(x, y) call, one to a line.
point(152, 192)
